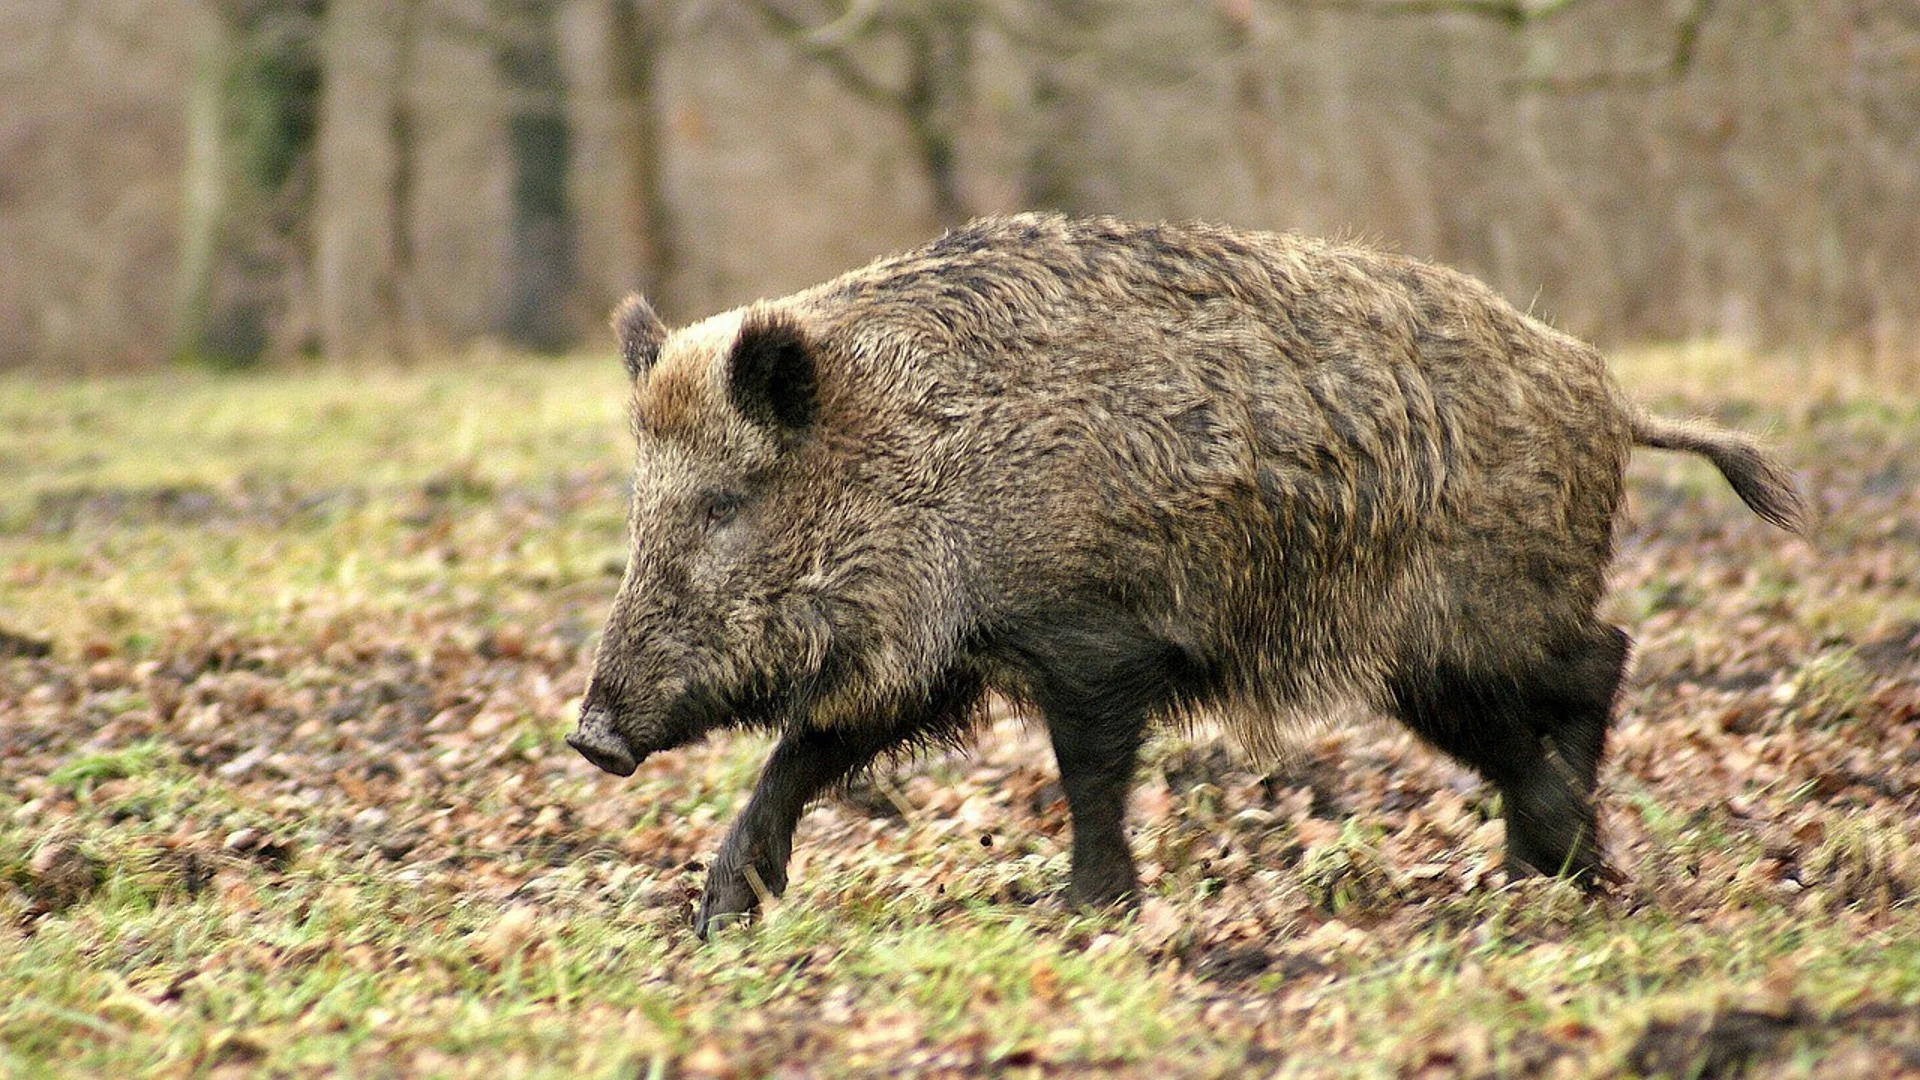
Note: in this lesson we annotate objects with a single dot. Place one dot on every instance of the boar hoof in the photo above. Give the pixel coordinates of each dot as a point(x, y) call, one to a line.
point(1105, 890)
point(714, 915)
point(734, 892)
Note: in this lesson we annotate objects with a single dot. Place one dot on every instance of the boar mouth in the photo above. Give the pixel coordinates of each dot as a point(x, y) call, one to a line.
point(600, 740)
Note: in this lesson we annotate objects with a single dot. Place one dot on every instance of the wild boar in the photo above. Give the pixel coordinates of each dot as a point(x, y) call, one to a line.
point(1124, 474)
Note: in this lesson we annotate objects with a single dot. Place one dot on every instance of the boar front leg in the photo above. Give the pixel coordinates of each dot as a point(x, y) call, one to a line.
point(804, 764)
point(1097, 677)
point(1096, 752)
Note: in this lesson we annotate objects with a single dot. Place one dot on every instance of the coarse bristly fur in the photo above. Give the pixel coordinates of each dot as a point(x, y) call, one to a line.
point(1126, 473)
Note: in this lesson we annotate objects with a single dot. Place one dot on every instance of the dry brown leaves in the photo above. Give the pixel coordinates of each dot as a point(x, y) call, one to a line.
point(1767, 757)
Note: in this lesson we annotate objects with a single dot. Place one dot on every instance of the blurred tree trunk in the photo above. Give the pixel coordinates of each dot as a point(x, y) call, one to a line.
point(937, 97)
point(540, 250)
point(635, 43)
point(363, 114)
point(1060, 170)
point(346, 279)
point(613, 51)
point(206, 191)
point(397, 289)
point(1051, 178)
point(252, 117)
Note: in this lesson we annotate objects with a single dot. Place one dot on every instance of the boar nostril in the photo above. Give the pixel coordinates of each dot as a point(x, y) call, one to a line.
point(599, 743)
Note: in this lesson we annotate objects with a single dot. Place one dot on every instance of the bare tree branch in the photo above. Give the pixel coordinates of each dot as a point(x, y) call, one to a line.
point(1670, 68)
point(1510, 12)
point(1518, 14)
point(850, 25)
point(932, 98)
point(828, 46)
point(1049, 29)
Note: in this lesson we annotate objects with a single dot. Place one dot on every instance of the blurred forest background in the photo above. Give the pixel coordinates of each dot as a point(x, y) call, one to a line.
point(245, 180)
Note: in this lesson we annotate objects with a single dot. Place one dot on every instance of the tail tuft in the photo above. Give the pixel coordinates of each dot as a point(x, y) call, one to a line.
point(1760, 480)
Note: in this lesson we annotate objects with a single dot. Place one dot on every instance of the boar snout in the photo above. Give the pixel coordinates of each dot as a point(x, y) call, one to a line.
point(594, 736)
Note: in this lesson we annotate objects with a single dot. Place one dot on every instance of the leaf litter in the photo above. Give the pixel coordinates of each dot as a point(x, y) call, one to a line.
point(315, 809)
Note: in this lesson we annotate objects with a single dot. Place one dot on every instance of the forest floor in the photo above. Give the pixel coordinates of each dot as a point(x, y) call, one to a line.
point(286, 660)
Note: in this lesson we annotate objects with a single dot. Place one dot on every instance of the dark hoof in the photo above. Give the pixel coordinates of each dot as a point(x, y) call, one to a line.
point(1589, 874)
point(706, 922)
point(731, 897)
point(1114, 892)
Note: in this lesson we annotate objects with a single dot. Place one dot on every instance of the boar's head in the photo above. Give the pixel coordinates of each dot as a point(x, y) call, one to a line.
point(769, 574)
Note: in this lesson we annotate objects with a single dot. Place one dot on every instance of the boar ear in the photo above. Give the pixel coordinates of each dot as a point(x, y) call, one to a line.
point(639, 332)
point(771, 373)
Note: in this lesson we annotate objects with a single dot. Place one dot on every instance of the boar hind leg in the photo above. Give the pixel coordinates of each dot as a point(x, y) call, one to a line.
point(1551, 825)
point(1577, 707)
point(753, 857)
point(1538, 735)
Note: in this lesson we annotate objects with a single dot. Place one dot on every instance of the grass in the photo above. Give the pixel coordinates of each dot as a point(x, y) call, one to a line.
point(285, 659)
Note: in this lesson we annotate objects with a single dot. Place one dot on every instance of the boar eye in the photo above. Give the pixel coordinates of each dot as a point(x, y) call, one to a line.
point(718, 510)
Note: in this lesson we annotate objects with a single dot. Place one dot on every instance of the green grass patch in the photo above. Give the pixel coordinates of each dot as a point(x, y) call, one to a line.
point(285, 794)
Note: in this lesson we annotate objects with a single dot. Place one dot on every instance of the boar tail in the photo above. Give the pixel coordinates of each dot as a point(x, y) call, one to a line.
point(1762, 482)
